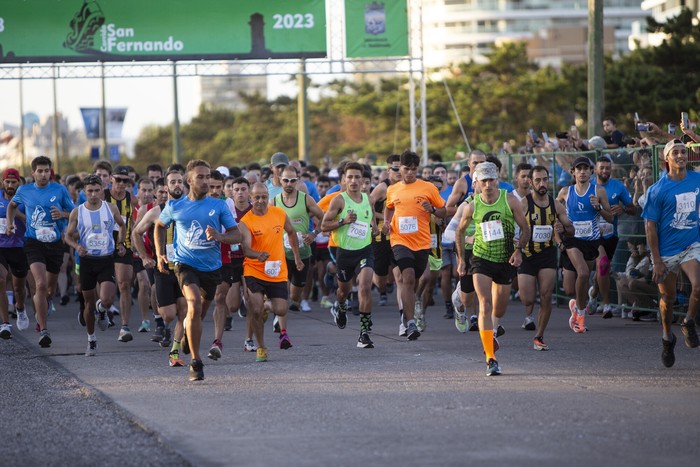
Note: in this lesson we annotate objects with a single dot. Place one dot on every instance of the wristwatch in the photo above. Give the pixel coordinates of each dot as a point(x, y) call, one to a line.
point(341, 221)
point(434, 209)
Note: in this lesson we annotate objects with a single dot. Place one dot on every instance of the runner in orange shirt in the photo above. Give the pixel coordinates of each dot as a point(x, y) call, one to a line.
point(265, 266)
point(409, 204)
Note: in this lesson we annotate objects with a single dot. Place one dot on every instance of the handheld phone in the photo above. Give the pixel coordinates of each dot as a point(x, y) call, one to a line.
point(636, 117)
point(545, 137)
point(672, 128)
point(685, 120)
point(642, 126)
point(533, 136)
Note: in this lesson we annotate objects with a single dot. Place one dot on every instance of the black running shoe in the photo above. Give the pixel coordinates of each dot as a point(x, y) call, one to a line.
point(667, 355)
point(167, 338)
point(364, 342)
point(196, 370)
point(158, 334)
point(64, 300)
point(412, 332)
point(690, 334)
point(473, 324)
point(229, 324)
point(500, 331)
point(492, 368)
point(185, 345)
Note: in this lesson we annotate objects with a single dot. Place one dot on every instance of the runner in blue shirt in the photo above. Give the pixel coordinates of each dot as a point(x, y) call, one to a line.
point(47, 205)
point(620, 202)
point(671, 215)
point(198, 221)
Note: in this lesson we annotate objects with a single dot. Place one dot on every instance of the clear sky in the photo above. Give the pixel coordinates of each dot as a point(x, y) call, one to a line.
point(149, 100)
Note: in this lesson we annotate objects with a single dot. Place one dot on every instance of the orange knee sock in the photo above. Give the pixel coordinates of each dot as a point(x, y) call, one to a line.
point(487, 342)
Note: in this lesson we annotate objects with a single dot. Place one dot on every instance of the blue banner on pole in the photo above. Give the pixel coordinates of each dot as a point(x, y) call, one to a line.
point(91, 119)
point(114, 152)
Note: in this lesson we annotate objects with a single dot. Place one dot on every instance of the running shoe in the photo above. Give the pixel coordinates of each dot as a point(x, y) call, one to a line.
point(364, 342)
point(196, 370)
point(456, 300)
point(667, 356)
point(419, 316)
point(496, 345)
point(261, 354)
point(242, 311)
point(325, 303)
point(294, 307)
point(492, 368)
point(607, 311)
point(215, 351)
point(285, 343)
point(648, 317)
point(51, 307)
point(538, 344)
point(402, 330)
point(529, 324)
point(5, 331)
point(276, 324)
point(174, 359)
point(91, 349)
point(102, 321)
point(580, 325)
point(461, 321)
point(500, 330)
point(572, 318)
point(473, 323)
point(167, 338)
point(45, 338)
point(339, 315)
point(305, 307)
point(145, 326)
point(158, 335)
point(626, 314)
point(383, 299)
point(229, 324)
point(690, 334)
point(22, 320)
point(592, 301)
point(185, 344)
point(81, 318)
point(125, 334)
point(249, 346)
point(449, 311)
point(64, 300)
point(412, 332)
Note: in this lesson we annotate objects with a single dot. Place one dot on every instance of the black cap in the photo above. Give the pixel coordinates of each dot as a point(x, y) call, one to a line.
point(120, 170)
point(583, 160)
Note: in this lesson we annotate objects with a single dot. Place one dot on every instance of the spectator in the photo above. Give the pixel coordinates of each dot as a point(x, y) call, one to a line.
point(614, 137)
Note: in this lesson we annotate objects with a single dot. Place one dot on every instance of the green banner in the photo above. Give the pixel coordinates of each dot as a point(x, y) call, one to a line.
point(376, 29)
point(48, 31)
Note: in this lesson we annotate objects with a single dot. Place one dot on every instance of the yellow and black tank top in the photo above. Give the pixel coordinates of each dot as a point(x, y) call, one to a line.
point(541, 222)
point(125, 209)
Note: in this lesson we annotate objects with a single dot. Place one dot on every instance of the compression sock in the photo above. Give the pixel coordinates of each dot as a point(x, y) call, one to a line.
point(487, 342)
point(364, 322)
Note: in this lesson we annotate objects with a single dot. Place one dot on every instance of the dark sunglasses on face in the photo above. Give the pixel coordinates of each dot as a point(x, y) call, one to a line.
point(290, 180)
point(395, 169)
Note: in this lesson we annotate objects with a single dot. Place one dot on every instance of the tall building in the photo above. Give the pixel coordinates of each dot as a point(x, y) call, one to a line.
point(456, 31)
point(660, 10)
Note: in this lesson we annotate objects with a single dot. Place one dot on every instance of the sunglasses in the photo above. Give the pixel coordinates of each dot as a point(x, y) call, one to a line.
point(395, 169)
point(122, 180)
point(290, 180)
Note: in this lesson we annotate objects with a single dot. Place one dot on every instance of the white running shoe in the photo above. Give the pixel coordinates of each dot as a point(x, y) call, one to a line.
point(22, 320)
point(6, 331)
point(305, 307)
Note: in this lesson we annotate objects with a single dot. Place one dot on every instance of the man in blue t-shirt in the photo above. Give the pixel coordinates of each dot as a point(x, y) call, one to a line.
point(671, 215)
point(198, 222)
point(47, 205)
point(620, 202)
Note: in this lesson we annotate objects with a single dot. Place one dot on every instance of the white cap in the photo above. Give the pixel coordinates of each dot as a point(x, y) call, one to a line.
point(486, 171)
point(223, 171)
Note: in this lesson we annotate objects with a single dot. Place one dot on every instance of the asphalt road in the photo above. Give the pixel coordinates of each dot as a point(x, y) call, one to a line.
point(600, 397)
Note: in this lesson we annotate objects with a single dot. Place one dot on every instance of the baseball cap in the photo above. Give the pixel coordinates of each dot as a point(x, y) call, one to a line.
point(672, 144)
point(120, 170)
point(223, 170)
point(333, 174)
point(11, 174)
point(486, 171)
point(597, 142)
point(279, 158)
point(582, 160)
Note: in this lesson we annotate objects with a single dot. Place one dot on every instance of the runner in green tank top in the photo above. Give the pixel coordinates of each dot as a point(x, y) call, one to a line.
point(493, 264)
point(299, 208)
point(350, 215)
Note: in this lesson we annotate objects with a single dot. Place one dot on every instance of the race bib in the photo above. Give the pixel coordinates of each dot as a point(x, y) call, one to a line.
point(97, 241)
point(170, 252)
point(408, 224)
point(358, 229)
point(606, 229)
point(46, 234)
point(3, 225)
point(235, 247)
point(542, 233)
point(433, 241)
point(583, 229)
point(287, 245)
point(685, 203)
point(272, 268)
point(491, 230)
